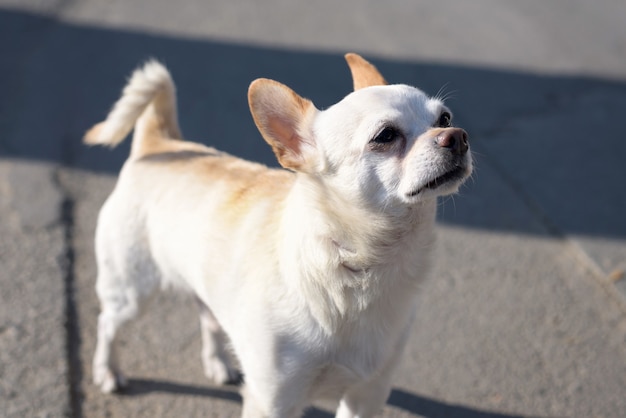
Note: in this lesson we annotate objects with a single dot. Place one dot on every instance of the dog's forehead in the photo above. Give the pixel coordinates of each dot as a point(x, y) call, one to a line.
point(397, 99)
point(394, 92)
point(371, 107)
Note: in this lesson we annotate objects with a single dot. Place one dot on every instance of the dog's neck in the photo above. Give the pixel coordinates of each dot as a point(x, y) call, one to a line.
point(345, 254)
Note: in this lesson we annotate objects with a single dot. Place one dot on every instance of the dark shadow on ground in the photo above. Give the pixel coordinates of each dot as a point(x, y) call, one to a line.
point(139, 387)
point(400, 399)
point(431, 408)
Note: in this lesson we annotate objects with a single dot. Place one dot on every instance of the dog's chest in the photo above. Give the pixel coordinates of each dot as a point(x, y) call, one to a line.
point(369, 334)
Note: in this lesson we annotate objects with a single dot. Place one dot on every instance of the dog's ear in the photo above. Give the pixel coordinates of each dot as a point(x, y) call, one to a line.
point(283, 118)
point(364, 74)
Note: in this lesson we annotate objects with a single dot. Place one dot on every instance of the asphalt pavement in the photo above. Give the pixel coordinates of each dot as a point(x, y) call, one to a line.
point(525, 314)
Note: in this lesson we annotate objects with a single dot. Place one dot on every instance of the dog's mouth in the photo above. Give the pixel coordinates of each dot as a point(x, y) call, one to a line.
point(454, 175)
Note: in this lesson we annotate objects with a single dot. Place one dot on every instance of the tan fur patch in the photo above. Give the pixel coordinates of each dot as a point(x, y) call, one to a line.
point(364, 74)
point(93, 135)
point(246, 182)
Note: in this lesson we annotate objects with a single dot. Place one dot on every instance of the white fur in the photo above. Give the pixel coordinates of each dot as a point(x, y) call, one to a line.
point(314, 280)
point(151, 85)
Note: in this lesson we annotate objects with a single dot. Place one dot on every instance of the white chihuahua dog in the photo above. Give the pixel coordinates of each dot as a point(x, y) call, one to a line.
point(311, 272)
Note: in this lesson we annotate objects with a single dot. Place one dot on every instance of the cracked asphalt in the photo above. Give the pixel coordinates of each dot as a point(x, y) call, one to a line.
point(525, 314)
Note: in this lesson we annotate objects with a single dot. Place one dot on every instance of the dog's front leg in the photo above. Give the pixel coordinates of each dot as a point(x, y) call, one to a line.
point(276, 389)
point(286, 403)
point(365, 399)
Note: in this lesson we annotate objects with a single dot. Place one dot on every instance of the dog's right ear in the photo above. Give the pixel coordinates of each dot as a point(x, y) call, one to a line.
point(364, 74)
point(283, 118)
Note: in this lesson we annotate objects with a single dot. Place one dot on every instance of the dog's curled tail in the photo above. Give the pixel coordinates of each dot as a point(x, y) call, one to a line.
point(148, 104)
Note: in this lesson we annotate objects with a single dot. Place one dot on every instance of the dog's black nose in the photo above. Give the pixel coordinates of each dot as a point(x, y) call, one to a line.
point(455, 139)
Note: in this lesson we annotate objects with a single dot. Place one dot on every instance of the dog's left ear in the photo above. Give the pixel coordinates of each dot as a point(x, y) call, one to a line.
point(283, 118)
point(364, 74)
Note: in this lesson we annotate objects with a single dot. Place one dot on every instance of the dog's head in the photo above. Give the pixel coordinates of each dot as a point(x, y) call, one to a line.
point(387, 146)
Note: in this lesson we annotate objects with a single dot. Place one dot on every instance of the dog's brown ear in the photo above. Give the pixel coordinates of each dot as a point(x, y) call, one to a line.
point(364, 74)
point(283, 117)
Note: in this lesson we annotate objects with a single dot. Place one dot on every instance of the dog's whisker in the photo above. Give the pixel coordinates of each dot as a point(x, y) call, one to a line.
point(443, 95)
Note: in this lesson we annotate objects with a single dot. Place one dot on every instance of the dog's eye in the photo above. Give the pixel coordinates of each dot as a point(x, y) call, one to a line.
point(386, 136)
point(444, 120)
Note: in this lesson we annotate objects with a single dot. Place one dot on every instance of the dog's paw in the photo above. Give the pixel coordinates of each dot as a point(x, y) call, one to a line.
point(109, 381)
point(218, 371)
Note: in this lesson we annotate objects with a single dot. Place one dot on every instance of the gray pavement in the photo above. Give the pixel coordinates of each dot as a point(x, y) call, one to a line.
point(525, 315)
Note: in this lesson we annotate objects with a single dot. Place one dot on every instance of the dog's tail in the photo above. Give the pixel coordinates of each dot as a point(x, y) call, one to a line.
point(148, 104)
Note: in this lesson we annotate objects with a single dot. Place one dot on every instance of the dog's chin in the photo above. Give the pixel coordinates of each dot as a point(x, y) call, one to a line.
point(440, 185)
